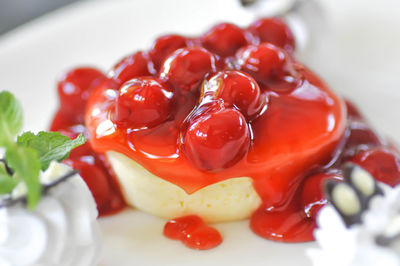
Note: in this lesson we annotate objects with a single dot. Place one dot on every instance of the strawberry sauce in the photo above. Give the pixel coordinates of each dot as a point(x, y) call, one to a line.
point(232, 103)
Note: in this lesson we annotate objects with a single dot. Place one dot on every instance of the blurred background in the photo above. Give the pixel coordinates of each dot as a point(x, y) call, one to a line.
point(16, 12)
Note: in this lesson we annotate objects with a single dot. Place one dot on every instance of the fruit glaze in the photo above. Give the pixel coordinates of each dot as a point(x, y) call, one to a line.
point(231, 103)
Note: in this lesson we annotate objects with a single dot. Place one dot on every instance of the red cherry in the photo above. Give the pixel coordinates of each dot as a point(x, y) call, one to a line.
point(224, 39)
point(236, 88)
point(164, 46)
point(312, 194)
point(265, 62)
point(361, 134)
point(217, 139)
point(132, 66)
point(275, 31)
point(187, 67)
point(94, 176)
point(143, 102)
point(74, 90)
point(383, 165)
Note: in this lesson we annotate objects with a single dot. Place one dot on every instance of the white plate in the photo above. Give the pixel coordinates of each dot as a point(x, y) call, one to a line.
point(359, 59)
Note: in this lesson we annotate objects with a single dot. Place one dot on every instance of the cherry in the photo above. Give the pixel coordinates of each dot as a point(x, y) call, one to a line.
point(192, 231)
point(265, 62)
point(74, 89)
point(382, 164)
point(187, 67)
point(224, 39)
point(275, 31)
point(236, 88)
point(361, 134)
point(217, 139)
point(312, 195)
point(132, 66)
point(94, 177)
point(143, 102)
point(164, 46)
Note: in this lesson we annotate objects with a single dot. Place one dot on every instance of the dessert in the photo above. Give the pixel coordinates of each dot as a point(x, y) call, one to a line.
point(225, 126)
point(47, 213)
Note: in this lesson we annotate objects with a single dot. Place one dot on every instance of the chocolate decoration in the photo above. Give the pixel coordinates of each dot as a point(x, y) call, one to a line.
point(348, 172)
point(8, 169)
point(7, 202)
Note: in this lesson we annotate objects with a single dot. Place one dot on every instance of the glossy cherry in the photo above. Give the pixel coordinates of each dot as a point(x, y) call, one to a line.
point(187, 67)
point(224, 39)
point(74, 89)
point(265, 62)
point(132, 66)
point(193, 232)
point(217, 140)
point(235, 88)
point(94, 177)
point(164, 46)
point(361, 135)
point(383, 164)
point(275, 31)
point(143, 102)
point(312, 195)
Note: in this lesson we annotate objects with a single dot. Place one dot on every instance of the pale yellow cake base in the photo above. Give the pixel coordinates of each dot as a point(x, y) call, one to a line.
point(228, 200)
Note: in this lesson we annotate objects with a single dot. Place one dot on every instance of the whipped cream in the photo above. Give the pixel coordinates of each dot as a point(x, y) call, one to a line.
point(61, 231)
point(358, 244)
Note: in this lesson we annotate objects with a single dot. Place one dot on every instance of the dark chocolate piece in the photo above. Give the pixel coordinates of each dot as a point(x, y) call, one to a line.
point(7, 202)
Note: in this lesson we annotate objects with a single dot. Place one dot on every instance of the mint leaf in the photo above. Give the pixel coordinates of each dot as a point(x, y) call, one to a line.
point(10, 118)
point(50, 145)
point(7, 183)
point(26, 166)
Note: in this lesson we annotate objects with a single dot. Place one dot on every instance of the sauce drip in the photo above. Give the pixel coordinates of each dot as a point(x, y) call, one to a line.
point(193, 232)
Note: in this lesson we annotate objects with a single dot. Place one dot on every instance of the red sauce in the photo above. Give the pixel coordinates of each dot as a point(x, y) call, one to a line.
point(193, 232)
point(248, 110)
point(74, 89)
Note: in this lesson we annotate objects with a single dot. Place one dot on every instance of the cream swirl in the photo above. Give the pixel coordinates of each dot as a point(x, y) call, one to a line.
point(61, 231)
point(357, 245)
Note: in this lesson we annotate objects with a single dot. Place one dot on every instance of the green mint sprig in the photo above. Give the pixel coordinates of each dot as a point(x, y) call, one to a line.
point(30, 153)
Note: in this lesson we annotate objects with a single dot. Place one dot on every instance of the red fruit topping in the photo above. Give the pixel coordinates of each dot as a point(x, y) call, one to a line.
point(383, 165)
point(74, 90)
point(132, 66)
point(96, 173)
point(164, 46)
point(192, 231)
point(275, 31)
point(287, 225)
point(224, 39)
point(235, 88)
point(187, 67)
point(217, 140)
point(312, 195)
point(361, 135)
point(265, 62)
point(107, 200)
point(143, 102)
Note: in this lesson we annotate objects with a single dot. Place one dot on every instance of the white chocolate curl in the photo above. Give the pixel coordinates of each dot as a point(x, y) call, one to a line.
point(61, 231)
